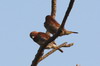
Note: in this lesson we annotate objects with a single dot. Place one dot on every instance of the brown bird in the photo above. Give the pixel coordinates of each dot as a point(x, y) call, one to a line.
point(40, 38)
point(52, 26)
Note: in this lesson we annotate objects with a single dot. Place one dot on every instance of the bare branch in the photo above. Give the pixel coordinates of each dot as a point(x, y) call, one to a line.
point(68, 11)
point(52, 51)
point(53, 7)
point(41, 49)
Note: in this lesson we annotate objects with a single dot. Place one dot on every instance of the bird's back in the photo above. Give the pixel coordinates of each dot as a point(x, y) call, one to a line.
point(51, 24)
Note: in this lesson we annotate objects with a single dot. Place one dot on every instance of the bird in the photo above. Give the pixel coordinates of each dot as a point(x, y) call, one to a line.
point(52, 26)
point(40, 38)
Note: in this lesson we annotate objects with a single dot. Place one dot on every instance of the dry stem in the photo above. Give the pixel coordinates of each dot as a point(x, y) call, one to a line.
point(53, 7)
point(52, 51)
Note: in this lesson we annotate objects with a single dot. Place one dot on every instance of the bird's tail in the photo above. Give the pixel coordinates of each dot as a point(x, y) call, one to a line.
point(60, 50)
point(56, 47)
point(74, 32)
point(70, 32)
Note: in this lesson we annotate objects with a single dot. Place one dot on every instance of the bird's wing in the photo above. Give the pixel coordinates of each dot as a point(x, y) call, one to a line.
point(44, 36)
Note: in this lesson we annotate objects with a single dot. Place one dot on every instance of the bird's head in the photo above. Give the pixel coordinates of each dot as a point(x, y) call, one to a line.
point(33, 34)
point(48, 17)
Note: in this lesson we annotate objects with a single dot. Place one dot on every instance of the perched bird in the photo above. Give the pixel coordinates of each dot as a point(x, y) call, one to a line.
point(40, 38)
point(52, 26)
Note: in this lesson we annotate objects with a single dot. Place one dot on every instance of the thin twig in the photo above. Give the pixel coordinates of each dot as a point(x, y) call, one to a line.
point(41, 49)
point(68, 11)
point(52, 51)
point(53, 8)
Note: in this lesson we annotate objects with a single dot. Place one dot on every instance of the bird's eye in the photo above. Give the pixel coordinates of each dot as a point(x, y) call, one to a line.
point(32, 36)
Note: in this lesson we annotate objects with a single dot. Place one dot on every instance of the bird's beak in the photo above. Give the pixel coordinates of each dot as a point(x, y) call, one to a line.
point(32, 36)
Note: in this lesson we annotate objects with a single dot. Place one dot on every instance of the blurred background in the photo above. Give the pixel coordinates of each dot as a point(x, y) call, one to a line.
point(19, 17)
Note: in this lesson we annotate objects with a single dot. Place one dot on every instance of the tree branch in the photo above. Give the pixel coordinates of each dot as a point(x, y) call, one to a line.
point(53, 8)
point(52, 51)
point(68, 11)
point(41, 49)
